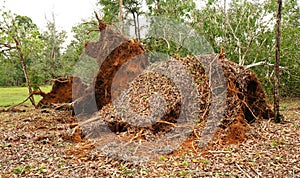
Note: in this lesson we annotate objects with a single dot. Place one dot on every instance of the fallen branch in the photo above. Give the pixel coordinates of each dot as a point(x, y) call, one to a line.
point(11, 108)
point(262, 63)
point(218, 151)
point(244, 172)
point(172, 124)
point(64, 106)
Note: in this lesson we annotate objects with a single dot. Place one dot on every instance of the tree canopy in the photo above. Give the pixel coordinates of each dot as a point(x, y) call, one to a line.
point(246, 30)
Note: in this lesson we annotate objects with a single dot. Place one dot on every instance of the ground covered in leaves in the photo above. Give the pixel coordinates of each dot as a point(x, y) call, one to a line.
point(40, 142)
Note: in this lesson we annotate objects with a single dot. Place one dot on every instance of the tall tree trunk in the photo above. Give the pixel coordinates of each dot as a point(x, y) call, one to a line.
point(138, 26)
point(277, 64)
point(158, 7)
point(120, 13)
point(53, 50)
point(25, 71)
point(135, 24)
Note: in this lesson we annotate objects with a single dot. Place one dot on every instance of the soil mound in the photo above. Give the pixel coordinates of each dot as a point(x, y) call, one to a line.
point(62, 91)
point(120, 60)
point(244, 103)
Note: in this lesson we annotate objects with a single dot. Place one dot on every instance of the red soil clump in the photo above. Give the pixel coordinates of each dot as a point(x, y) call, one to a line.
point(64, 90)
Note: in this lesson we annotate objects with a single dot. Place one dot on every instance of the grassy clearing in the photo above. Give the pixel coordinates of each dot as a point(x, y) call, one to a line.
point(14, 95)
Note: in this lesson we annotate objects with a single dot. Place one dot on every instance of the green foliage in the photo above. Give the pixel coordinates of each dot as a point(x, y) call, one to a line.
point(246, 30)
point(54, 40)
point(169, 26)
point(110, 10)
point(179, 28)
point(86, 31)
point(10, 72)
point(180, 10)
point(19, 40)
point(290, 53)
point(242, 28)
point(19, 170)
point(43, 53)
point(49, 64)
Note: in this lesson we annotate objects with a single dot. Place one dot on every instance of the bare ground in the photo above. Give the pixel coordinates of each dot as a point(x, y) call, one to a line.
point(38, 143)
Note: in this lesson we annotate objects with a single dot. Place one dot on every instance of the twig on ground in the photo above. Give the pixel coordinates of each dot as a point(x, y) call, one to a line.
point(246, 174)
point(218, 151)
point(194, 147)
point(172, 124)
point(255, 171)
point(139, 134)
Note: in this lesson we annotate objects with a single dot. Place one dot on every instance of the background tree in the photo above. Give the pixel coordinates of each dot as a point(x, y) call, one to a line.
point(246, 29)
point(54, 40)
point(242, 29)
point(10, 70)
point(180, 10)
point(109, 10)
point(277, 63)
point(86, 31)
point(50, 64)
point(133, 7)
point(20, 39)
point(131, 11)
point(177, 12)
point(289, 52)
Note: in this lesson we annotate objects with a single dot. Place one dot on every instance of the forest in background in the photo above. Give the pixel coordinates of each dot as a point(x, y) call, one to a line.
point(246, 30)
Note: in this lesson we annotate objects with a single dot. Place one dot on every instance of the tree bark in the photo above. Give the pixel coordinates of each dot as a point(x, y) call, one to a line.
point(138, 27)
point(158, 6)
point(120, 11)
point(53, 50)
point(31, 98)
point(135, 24)
point(277, 116)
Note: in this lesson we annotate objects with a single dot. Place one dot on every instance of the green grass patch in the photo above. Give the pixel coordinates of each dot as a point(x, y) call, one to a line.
point(14, 95)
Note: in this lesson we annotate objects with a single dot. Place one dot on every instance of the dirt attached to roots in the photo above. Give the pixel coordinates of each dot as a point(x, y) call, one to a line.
point(244, 103)
point(64, 90)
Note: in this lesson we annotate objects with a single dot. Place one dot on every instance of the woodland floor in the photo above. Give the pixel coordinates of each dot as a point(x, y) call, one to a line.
point(37, 143)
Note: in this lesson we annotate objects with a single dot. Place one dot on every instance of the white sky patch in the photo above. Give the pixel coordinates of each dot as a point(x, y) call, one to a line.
point(68, 13)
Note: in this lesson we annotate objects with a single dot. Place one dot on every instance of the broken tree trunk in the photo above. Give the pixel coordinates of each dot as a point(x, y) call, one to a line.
point(31, 97)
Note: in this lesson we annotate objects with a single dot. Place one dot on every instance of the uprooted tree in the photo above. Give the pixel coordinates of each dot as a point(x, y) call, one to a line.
point(123, 80)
